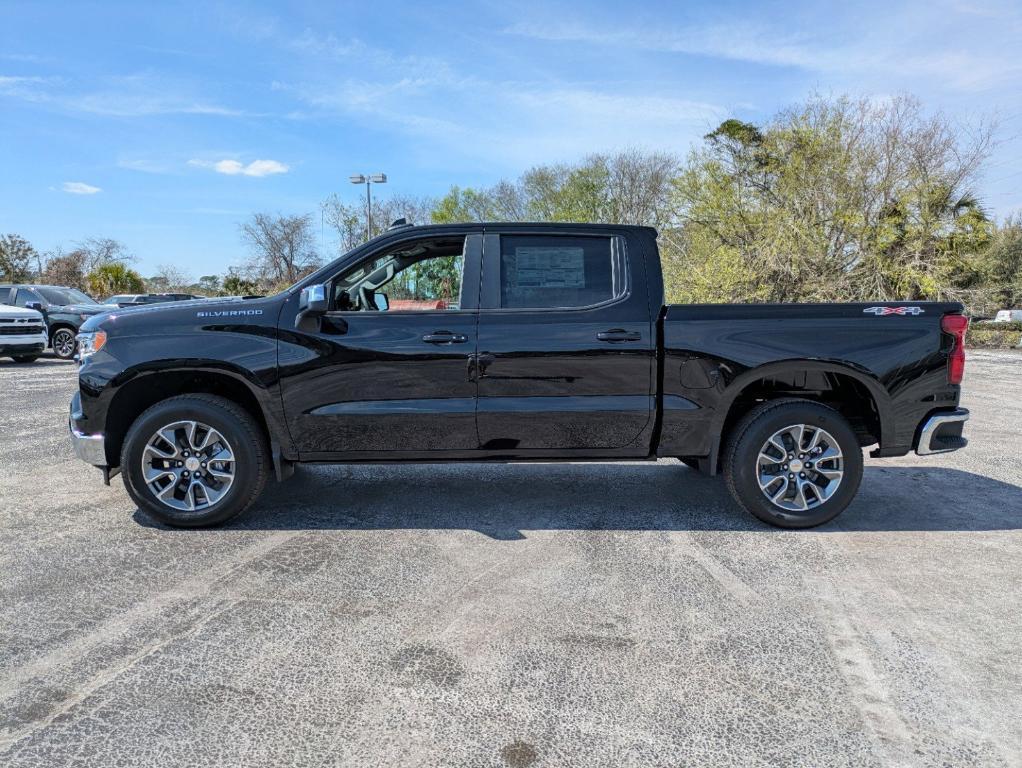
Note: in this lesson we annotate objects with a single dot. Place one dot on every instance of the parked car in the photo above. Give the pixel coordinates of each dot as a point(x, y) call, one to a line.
point(64, 310)
point(1008, 316)
point(137, 299)
point(22, 334)
point(561, 348)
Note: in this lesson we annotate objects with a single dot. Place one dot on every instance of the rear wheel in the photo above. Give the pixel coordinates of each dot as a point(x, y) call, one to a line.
point(793, 463)
point(63, 343)
point(194, 460)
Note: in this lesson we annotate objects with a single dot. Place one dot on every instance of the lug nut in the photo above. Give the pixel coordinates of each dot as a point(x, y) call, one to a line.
point(785, 466)
point(180, 463)
point(203, 464)
point(186, 453)
point(185, 473)
point(801, 474)
point(791, 476)
point(809, 465)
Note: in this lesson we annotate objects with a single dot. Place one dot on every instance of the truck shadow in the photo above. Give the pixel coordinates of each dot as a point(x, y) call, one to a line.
point(503, 500)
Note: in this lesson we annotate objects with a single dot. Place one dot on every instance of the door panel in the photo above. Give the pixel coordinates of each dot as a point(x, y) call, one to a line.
point(384, 381)
point(571, 379)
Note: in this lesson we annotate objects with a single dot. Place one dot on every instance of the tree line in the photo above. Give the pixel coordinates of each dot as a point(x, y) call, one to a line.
point(834, 199)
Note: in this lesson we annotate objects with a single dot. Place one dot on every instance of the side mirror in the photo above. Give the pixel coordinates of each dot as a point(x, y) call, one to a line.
point(311, 303)
point(36, 305)
point(381, 301)
point(313, 300)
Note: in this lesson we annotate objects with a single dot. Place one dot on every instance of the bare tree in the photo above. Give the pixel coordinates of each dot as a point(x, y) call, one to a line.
point(96, 252)
point(64, 268)
point(348, 221)
point(169, 278)
point(283, 247)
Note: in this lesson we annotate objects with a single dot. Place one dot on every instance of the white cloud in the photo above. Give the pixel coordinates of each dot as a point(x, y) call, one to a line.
point(256, 168)
point(79, 188)
point(853, 48)
point(139, 95)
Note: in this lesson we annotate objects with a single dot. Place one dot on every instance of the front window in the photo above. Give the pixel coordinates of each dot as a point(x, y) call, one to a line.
point(418, 276)
point(25, 297)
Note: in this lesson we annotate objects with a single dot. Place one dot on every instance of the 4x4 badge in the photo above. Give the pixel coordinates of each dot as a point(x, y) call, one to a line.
point(882, 311)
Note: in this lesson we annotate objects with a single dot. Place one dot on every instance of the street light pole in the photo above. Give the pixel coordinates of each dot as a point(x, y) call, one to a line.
point(368, 180)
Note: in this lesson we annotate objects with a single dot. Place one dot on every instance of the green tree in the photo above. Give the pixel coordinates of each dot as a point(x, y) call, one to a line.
point(16, 258)
point(236, 285)
point(209, 284)
point(835, 199)
point(1002, 268)
point(108, 279)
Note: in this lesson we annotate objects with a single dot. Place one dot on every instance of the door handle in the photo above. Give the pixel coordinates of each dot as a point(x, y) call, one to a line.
point(619, 334)
point(444, 337)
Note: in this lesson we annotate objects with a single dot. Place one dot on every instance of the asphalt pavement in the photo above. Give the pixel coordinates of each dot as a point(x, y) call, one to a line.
point(608, 614)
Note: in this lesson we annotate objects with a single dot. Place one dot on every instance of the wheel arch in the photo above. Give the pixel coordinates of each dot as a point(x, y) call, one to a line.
point(58, 325)
point(854, 392)
point(140, 388)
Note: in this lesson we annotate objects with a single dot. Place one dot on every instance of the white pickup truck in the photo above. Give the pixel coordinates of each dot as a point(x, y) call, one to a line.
point(22, 333)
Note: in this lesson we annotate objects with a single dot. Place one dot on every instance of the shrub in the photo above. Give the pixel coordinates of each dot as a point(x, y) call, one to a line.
point(994, 335)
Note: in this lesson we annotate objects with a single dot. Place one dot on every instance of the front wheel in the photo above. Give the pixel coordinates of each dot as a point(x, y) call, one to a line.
point(63, 343)
point(194, 460)
point(793, 463)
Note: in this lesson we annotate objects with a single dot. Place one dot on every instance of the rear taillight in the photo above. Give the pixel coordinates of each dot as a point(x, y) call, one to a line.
point(956, 325)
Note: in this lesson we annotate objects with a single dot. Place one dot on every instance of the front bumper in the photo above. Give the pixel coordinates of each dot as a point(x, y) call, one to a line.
point(29, 344)
point(89, 448)
point(941, 432)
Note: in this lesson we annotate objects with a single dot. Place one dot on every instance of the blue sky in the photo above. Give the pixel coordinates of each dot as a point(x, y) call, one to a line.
point(165, 124)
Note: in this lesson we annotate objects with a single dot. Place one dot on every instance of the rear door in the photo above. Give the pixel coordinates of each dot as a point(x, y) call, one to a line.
point(566, 360)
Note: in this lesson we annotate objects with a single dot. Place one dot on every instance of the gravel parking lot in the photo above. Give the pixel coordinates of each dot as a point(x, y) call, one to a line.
point(512, 615)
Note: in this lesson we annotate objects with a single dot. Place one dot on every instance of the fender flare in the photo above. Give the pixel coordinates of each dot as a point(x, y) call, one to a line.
point(281, 445)
point(881, 398)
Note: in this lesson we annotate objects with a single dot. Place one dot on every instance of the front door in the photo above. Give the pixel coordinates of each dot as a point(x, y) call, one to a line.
point(386, 370)
point(566, 346)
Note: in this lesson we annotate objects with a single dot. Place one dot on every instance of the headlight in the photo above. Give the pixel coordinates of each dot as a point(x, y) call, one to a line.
point(90, 343)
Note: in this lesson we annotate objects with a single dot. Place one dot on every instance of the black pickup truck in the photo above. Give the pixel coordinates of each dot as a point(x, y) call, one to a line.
point(511, 342)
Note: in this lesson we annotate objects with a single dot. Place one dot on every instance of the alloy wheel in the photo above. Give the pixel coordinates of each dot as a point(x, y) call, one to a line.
point(64, 343)
point(799, 467)
point(188, 465)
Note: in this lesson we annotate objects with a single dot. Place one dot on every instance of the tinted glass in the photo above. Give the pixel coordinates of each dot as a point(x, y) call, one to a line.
point(25, 296)
point(550, 271)
point(61, 296)
point(5, 295)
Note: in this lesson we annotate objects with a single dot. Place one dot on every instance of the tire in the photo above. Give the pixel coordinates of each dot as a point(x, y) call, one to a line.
point(63, 343)
point(25, 358)
point(801, 503)
point(236, 431)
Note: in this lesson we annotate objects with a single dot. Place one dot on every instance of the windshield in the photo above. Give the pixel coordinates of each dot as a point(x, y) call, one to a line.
point(65, 296)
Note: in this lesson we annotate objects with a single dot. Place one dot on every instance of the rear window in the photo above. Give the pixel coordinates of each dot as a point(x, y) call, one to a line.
point(538, 271)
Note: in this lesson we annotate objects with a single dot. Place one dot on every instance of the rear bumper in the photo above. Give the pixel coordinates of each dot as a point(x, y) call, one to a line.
point(941, 432)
